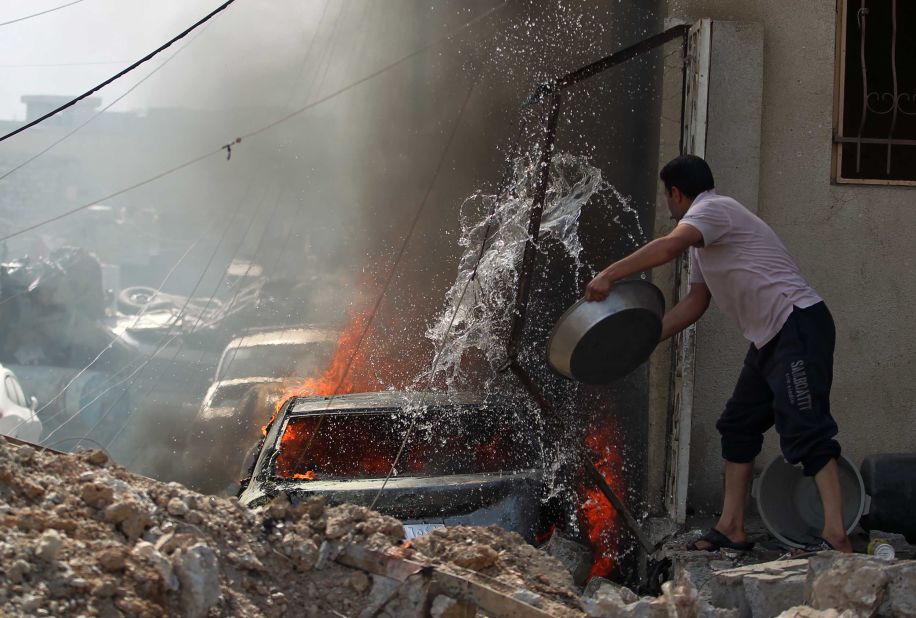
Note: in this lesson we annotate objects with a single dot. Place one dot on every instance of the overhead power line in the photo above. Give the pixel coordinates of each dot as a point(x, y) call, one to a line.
point(145, 58)
point(45, 12)
point(228, 147)
point(101, 111)
point(60, 64)
point(63, 215)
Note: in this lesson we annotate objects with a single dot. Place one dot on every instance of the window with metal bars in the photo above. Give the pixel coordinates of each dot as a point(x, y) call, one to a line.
point(875, 110)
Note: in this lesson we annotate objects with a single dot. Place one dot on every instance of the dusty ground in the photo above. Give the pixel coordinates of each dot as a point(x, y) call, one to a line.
point(81, 536)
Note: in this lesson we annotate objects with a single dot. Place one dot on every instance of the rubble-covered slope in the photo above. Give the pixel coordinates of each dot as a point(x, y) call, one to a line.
point(80, 535)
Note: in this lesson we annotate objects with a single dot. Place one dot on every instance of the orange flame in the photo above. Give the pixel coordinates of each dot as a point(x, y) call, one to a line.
point(598, 515)
point(307, 476)
point(348, 361)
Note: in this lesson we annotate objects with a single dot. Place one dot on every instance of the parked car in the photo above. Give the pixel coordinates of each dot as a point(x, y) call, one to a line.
point(467, 461)
point(17, 416)
point(254, 374)
point(277, 353)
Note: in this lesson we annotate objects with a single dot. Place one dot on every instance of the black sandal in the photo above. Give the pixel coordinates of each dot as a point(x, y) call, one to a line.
point(717, 541)
point(819, 545)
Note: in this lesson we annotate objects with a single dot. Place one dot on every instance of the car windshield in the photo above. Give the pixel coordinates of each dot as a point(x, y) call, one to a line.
point(276, 361)
point(443, 442)
point(230, 395)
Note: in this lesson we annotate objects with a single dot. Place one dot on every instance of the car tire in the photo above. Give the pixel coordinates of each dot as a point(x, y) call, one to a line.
point(134, 299)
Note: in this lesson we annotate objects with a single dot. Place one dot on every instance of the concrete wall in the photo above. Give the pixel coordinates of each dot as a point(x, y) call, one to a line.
point(853, 243)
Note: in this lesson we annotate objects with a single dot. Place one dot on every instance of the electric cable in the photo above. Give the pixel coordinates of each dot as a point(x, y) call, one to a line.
point(332, 42)
point(513, 154)
point(180, 346)
point(164, 340)
point(371, 75)
point(45, 12)
point(397, 260)
point(109, 346)
point(118, 338)
point(238, 291)
point(308, 53)
point(61, 64)
point(120, 74)
point(293, 91)
point(393, 269)
point(103, 110)
point(137, 185)
point(264, 128)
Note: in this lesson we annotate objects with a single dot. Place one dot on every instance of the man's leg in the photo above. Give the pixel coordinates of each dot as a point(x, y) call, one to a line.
point(747, 416)
point(801, 375)
point(737, 483)
point(828, 485)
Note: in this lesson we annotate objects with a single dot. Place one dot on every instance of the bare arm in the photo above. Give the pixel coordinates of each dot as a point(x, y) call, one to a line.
point(686, 312)
point(659, 251)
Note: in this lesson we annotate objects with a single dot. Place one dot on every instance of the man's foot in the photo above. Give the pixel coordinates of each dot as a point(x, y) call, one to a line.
point(839, 542)
point(714, 540)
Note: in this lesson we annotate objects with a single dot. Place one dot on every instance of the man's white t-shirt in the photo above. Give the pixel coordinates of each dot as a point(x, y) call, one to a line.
point(748, 270)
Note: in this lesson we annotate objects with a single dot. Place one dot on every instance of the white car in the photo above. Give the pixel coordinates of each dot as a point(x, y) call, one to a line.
point(17, 416)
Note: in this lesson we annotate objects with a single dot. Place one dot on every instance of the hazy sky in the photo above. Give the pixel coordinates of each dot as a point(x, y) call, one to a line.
point(251, 38)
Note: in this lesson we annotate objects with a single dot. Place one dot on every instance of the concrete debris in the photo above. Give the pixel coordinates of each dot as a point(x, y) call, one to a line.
point(602, 587)
point(198, 574)
point(576, 557)
point(760, 590)
point(679, 599)
point(841, 581)
point(100, 541)
point(447, 607)
point(825, 585)
point(803, 611)
point(49, 544)
point(867, 585)
point(499, 554)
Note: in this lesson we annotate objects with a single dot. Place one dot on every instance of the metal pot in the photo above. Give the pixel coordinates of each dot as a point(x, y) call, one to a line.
point(601, 341)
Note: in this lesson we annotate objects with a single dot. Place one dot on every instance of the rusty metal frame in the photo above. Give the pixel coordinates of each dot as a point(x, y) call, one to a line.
point(553, 91)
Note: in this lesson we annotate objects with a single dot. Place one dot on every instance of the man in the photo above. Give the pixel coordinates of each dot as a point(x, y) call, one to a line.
point(787, 373)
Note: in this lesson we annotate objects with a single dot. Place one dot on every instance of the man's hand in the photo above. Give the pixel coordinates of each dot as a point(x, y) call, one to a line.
point(599, 287)
point(656, 253)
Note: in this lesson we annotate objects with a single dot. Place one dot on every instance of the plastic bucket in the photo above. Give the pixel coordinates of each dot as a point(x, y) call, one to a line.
point(790, 506)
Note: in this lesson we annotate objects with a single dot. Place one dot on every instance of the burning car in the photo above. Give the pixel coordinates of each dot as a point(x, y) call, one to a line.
point(254, 372)
point(466, 460)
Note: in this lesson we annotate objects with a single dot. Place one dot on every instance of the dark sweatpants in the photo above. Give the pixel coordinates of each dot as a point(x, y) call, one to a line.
point(786, 382)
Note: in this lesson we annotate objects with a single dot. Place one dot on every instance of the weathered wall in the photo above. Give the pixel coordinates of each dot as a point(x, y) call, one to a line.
point(853, 243)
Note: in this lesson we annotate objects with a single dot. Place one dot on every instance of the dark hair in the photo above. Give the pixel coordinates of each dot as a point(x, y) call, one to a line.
point(689, 173)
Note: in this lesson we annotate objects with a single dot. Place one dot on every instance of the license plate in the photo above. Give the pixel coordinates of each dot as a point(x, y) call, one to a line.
point(412, 531)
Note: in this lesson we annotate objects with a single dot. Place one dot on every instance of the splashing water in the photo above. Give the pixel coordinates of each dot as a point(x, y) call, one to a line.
point(494, 229)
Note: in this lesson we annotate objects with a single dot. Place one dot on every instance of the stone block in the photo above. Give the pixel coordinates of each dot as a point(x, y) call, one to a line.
point(700, 567)
point(900, 600)
point(769, 594)
point(759, 590)
point(846, 581)
point(575, 556)
point(804, 611)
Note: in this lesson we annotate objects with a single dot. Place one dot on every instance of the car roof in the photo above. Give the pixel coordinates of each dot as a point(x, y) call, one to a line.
point(285, 336)
point(252, 381)
point(382, 400)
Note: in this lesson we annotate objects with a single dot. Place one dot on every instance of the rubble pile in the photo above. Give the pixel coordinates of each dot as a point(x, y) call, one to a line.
point(81, 536)
point(493, 552)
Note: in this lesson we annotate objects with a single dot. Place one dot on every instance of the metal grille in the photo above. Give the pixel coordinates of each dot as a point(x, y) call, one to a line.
point(876, 128)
